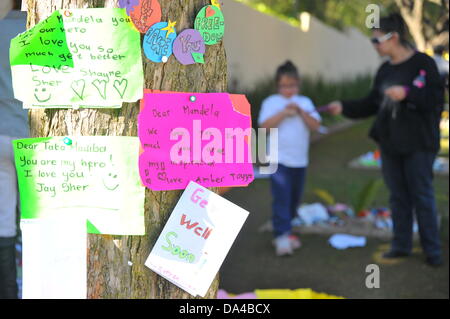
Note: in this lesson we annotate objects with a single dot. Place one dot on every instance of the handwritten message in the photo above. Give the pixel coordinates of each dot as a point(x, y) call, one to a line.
point(96, 177)
point(88, 58)
point(145, 14)
point(45, 44)
point(211, 24)
point(189, 46)
point(158, 42)
point(196, 239)
point(203, 137)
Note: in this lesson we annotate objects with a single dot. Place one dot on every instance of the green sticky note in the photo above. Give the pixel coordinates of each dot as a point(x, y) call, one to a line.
point(210, 22)
point(198, 57)
point(95, 177)
point(80, 58)
point(91, 229)
point(43, 45)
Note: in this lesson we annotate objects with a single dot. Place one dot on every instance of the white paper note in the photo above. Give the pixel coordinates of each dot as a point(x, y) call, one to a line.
point(54, 258)
point(80, 58)
point(196, 239)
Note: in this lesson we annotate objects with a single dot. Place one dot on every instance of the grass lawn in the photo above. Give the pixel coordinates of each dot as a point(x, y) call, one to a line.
point(328, 169)
point(252, 264)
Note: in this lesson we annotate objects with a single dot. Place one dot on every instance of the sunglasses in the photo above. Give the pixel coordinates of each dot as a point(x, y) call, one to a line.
point(382, 39)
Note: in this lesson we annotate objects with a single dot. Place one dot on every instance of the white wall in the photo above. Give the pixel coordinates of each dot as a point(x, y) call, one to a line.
point(257, 43)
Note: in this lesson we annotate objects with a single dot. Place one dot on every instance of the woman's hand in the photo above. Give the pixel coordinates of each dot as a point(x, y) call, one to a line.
point(396, 93)
point(335, 108)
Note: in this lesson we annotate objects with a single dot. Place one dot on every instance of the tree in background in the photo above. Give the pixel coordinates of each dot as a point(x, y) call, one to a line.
point(428, 20)
point(109, 274)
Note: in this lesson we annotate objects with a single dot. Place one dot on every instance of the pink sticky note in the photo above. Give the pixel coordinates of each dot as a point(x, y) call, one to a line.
point(203, 137)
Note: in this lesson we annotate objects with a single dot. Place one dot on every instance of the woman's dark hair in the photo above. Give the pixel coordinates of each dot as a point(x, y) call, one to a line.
point(395, 23)
point(287, 69)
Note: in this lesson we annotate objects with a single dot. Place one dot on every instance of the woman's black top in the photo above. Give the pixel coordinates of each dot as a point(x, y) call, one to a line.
point(410, 125)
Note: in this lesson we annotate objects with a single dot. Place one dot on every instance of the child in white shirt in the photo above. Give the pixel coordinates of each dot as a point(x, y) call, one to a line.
point(294, 116)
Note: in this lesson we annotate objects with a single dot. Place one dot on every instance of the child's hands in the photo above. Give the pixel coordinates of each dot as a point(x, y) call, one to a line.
point(335, 108)
point(292, 110)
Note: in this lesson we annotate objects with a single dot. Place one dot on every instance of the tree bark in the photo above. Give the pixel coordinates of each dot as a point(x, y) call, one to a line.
point(116, 263)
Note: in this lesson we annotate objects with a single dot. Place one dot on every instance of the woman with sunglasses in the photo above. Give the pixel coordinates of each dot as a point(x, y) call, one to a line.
point(407, 99)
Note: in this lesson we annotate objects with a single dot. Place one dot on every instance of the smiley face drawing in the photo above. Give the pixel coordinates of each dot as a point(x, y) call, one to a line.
point(111, 182)
point(42, 95)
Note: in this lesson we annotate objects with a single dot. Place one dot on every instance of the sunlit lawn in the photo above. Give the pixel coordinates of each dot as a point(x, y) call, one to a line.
point(328, 169)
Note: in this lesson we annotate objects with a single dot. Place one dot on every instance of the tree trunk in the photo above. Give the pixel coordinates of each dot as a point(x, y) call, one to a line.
point(116, 263)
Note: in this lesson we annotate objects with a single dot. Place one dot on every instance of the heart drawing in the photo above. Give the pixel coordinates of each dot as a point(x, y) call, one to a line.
point(100, 85)
point(78, 87)
point(210, 11)
point(121, 87)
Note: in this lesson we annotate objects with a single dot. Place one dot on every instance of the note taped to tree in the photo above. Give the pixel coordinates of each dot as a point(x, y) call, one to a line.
point(54, 258)
point(145, 14)
point(158, 41)
point(196, 239)
point(81, 58)
point(94, 176)
point(211, 24)
point(203, 137)
point(189, 47)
